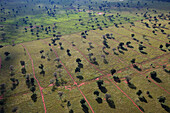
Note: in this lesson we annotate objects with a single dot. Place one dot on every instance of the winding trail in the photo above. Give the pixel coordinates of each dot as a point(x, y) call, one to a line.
point(132, 68)
point(69, 87)
point(103, 74)
point(128, 48)
point(125, 94)
point(135, 42)
point(146, 35)
point(149, 30)
point(71, 77)
point(40, 88)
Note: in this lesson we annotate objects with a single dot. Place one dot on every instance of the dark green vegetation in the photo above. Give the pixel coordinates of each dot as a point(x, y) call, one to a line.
point(31, 20)
point(95, 56)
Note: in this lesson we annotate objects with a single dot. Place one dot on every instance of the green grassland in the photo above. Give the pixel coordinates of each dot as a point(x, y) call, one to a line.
point(35, 31)
point(64, 24)
point(66, 19)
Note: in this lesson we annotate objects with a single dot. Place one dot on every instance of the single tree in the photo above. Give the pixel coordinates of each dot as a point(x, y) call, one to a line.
point(60, 94)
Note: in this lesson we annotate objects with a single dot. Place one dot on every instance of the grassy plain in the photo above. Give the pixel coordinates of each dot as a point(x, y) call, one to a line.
point(71, 29)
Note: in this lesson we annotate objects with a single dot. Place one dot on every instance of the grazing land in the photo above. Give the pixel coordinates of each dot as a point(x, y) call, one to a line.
point(84, 56)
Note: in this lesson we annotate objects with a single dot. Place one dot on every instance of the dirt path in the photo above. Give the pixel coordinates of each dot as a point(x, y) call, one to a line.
point(71, 78)
point(137, 42)
point(133, 68)
point(40, 88)
point(136, 51)
point(100, 77)
point(104, 74)
point(146, 35)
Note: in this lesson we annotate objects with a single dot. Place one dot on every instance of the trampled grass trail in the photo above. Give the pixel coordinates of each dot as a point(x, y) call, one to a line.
point(104, 74)
point(146, 35)
point(132, 68)
point(138, 53)
point(136, 42)
point(101, 76)
point(40, 88)
point(71, 77)
point(148, 30)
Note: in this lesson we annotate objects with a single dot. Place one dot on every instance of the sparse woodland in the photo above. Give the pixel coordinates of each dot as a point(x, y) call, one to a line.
point(84, 56)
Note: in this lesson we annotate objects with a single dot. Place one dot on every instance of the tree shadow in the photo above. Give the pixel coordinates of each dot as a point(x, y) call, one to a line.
point(42, 72)
point(68, 54)
point(154, 77)
point(91, 47)
point(113, 71)
point(22, 63)
point(142, 99)
point(99, 100)
point(42, 57)
point(85, 108)
point(130, 46)
point(157, 80)
point(59, 66)
point(116, 79)
point(57, 82)
point(139, 93)
point(121, 52)
point(132, 86)
point(136, 67)
point(103, 89)
point(165, 107)
point(53, 88)
point(150, 96)
point(105, 61)
point(23, 70)
point(61, 48)
point(34, 97)
point(116, 53)
point(80, 77)
point(106, 53)
point(167, 71)
point(13, 86)
point(107, 46)
point(163, 50)
point(77, 70)
point(80, 65)
point(95, 62)
point(71, 111)
point(111, 103)
point(143, 52)
point(141, 108)
point(88, 49)
point(125, 49)
point(28, 83)
point(7, 58)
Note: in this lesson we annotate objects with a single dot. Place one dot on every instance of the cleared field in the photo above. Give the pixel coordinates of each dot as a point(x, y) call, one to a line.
point(91, 63)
